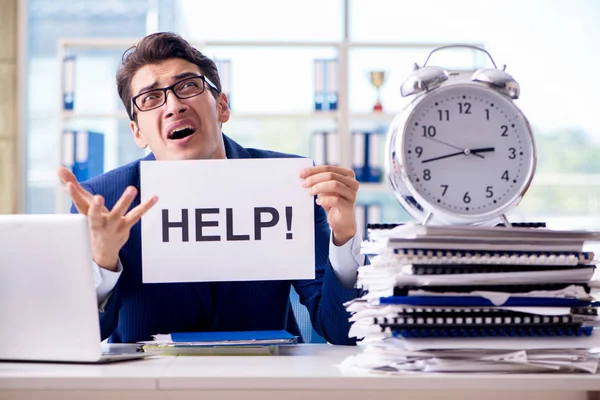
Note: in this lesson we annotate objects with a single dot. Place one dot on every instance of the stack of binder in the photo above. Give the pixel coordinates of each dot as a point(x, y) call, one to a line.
point(443, 299)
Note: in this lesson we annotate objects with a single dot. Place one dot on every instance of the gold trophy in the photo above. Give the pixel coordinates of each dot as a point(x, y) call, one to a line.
point(377, 80)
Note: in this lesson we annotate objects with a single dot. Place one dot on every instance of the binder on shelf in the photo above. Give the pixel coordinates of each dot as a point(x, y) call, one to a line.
point(224, 68)
point(366, 156)
point(367, 213)
point(319, 73)
point(332, 84)
point(67, 156)
point(88, 154)
point(68, 83)
point(325, 148)
point(326, 84)
point(373, 157)
point(358, 155)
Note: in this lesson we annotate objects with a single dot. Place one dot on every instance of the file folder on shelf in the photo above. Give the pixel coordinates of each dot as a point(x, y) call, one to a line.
point(68, 83)
point(89, 155)
point(325, 148)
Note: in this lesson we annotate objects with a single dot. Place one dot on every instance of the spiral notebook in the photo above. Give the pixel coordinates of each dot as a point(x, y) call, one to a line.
point(491, 331)
point(484, 322)
point(442, 256)
point(442, 269)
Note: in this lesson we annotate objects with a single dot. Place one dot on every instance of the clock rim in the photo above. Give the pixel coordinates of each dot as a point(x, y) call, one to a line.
point(411, 199)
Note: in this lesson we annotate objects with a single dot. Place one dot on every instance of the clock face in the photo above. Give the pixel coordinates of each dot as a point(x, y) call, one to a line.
point(467, 150)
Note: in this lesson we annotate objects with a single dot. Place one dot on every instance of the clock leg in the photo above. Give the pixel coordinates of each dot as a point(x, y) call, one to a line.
point(505, 221)
point(427, 218)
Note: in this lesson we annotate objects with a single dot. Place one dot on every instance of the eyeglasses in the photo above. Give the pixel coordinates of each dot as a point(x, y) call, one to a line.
point(183, 89)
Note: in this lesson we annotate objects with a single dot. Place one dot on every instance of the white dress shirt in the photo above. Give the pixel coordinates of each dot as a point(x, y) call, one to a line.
point(344, 259)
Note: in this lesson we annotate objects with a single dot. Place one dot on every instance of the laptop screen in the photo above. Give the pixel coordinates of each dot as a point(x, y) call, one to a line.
point(48, 304)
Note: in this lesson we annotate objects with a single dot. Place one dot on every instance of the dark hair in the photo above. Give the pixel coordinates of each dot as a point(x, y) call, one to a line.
point(154, 49)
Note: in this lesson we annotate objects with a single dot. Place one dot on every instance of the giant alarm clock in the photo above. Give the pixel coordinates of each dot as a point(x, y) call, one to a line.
point(461, 152)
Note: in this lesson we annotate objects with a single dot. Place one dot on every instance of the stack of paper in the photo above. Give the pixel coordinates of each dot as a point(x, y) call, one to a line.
point(476, 299)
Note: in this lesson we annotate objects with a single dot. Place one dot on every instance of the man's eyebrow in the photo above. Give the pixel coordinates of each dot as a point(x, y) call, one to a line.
point(151, 86)
point(178, 77)
point(186, 75)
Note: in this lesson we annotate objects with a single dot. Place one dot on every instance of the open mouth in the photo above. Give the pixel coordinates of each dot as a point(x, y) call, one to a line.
point(181, 133)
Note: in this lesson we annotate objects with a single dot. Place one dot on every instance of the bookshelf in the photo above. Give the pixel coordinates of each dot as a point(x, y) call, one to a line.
point(344, 119)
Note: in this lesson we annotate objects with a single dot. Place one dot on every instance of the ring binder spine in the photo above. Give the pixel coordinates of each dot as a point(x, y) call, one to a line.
point(477, 331)
point(426, 256)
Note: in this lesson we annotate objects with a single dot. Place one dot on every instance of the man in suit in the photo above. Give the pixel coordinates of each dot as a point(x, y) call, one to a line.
point(172, 94)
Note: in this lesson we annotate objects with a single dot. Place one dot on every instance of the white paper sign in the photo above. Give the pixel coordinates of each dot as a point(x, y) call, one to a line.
point(227, 220)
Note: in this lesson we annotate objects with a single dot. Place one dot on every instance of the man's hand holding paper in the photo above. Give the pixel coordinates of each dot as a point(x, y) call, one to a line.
point(336, 189)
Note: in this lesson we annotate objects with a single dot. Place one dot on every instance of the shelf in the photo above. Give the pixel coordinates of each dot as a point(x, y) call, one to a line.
point(373, 116)
point(75, 115)
point(379, 116)
point(124, 43)
point(292, 115)
point(374, 186)
point(234, 115)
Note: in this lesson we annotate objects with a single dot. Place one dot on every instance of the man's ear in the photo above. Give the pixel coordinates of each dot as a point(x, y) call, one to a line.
point(223, 107)
point(138, 137)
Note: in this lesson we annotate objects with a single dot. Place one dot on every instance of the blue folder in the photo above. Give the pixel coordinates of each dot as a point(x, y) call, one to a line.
point(470, 301)
point(263, 338)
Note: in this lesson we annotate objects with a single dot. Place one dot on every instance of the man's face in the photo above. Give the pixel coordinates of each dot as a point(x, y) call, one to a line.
point(200, 117)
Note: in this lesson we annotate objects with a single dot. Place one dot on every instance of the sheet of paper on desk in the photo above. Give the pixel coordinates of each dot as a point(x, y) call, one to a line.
point(227, 220)
point(528, 343)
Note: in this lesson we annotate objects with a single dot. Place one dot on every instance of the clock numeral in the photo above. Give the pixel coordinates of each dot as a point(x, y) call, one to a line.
point(487, 114)
point(419, 151)
point(488, 192)
point(445, 189)
point(429, 131)
point(466, 198)
point(464, 108)
point(426, 174)
point(504, 130)
point(443, 113)
point(513, 153)
point(505, 176)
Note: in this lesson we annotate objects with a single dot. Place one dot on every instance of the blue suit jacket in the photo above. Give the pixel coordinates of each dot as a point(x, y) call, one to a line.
point(136, 311)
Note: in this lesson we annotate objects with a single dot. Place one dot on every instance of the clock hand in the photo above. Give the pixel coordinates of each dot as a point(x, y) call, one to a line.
point(441, 157)
point(447, 144)
point(482, 150)
point(466, 152)
point(453, 146)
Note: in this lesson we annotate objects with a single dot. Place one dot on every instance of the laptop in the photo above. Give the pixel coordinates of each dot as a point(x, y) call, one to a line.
point(48, 305)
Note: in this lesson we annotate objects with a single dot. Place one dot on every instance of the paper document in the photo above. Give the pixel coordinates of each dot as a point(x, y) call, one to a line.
point(227, 220)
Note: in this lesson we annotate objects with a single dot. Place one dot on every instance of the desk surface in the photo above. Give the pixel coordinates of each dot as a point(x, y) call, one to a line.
point(304, 367)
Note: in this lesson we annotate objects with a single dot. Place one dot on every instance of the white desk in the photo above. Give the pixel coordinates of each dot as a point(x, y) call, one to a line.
point(307, 371)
